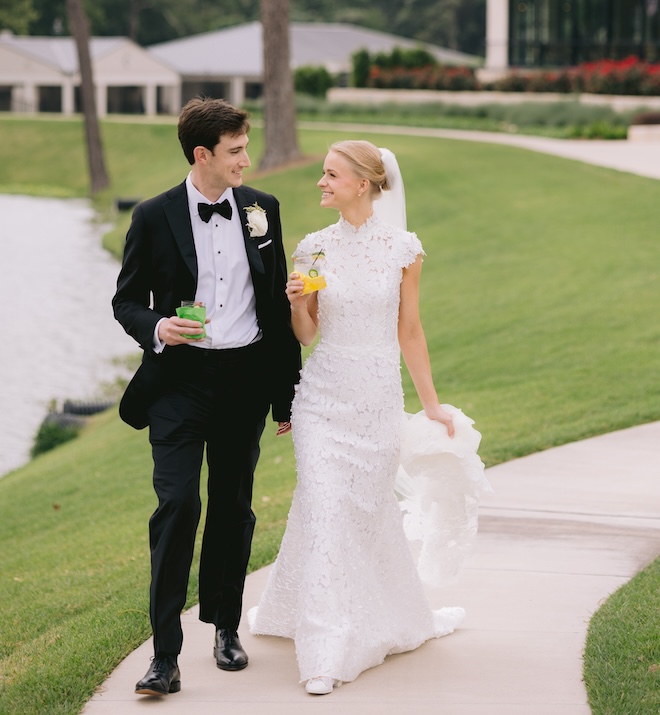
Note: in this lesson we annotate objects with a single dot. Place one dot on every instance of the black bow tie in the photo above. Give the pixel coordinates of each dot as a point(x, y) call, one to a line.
point(206, 210)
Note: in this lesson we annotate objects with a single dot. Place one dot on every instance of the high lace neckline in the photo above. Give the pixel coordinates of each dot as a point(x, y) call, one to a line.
point(348, 226)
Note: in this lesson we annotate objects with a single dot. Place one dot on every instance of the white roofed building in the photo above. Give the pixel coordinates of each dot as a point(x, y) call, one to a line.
point(229, 63)
point(40, 74)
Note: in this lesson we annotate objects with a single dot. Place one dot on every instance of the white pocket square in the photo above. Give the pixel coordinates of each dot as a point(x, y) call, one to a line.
point(263, 245)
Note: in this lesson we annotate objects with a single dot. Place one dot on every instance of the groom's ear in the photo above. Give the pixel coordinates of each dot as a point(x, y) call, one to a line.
point(200, 154)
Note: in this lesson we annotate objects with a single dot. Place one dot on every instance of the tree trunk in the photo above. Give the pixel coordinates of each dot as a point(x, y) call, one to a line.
point(134, 19)
point(79, 26)
point(280, 138)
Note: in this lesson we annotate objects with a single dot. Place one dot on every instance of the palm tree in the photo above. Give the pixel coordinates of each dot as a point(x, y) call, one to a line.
point(280, 137)
point(95, 158)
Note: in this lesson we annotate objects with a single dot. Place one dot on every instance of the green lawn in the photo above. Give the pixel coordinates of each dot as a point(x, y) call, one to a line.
point(622, 657)
point(539, 299)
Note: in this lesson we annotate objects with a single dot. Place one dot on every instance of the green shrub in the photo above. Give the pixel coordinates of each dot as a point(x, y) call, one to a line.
point(598, 130)
point(312, 80)
point(399, 59)
point(54, 431)
point(418, 57)
point(361, 62)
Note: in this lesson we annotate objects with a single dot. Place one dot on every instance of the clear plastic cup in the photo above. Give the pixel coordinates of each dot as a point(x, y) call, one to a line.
point(310, 268)
point(193, 310)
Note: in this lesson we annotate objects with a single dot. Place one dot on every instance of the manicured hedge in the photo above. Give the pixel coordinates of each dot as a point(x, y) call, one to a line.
point(630, 76)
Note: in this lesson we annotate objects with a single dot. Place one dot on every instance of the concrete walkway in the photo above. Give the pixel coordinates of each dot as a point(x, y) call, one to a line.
point(641, 158)
point(564, 529)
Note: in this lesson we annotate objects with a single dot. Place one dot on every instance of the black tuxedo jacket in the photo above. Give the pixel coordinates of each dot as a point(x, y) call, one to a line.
point(159, 270)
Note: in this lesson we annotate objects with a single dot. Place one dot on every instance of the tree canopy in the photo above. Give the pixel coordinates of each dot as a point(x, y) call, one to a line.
point(457, 24)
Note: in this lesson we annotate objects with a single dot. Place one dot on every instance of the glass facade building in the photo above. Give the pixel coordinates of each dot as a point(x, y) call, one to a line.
point(558, 33)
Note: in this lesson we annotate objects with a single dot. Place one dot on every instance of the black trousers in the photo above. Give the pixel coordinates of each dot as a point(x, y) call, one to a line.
point(213, 399)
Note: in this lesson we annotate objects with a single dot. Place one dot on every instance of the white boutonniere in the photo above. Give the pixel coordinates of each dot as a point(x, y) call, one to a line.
point(257, 221)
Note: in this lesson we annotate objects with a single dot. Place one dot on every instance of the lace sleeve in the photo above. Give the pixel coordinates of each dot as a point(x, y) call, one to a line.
point(410, 248)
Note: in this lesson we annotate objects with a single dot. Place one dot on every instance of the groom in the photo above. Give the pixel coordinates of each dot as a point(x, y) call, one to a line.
point(212, 240)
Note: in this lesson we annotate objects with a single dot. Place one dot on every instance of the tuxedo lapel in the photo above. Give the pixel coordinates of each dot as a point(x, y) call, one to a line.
point(245, 198)
point(178, 216)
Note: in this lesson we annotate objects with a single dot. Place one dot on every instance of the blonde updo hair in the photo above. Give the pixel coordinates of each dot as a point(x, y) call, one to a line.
point(366, 162)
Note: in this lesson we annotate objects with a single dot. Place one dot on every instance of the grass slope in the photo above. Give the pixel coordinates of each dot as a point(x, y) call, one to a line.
point(622, 657)
point(539, 299)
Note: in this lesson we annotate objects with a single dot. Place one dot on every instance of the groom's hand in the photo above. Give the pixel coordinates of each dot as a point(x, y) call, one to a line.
point(171, 330)
point(283, 428)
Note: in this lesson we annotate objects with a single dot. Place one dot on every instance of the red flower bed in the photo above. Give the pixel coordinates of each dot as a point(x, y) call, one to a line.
point(628, 76)
point(430, 77)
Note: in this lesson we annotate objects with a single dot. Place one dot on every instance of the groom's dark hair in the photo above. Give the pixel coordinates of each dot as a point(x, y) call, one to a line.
point(204, 120)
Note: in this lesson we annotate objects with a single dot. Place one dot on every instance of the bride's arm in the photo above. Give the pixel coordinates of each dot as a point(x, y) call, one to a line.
point(304, 310)
point(414, 348)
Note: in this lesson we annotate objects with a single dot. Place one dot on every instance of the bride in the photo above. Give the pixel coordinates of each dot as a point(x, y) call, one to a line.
point(345, 586)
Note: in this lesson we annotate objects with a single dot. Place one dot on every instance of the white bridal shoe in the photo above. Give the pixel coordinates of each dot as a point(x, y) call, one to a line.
point(322, 685)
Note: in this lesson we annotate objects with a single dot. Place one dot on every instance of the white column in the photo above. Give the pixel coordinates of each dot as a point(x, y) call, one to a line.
point(237, 91)
point(68, 101)
point(26, 99)
point(101, 100)
point(171, 98)
point(175, 99)
point(497, 36)
point(150, 99)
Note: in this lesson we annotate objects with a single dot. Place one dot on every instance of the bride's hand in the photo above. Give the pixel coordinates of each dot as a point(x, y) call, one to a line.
point(294, 290)
point(439, 414)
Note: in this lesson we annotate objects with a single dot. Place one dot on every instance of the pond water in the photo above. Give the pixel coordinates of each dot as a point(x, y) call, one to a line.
point(59, 337)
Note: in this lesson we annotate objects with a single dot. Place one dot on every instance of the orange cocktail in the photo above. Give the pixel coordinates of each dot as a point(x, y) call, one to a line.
point(310, 266)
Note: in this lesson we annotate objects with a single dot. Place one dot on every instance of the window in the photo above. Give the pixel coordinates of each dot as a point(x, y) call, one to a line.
point(555, 33)
point(50, 99)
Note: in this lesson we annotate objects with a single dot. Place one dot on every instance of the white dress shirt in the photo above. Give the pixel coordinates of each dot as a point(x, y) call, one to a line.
point(224, 283)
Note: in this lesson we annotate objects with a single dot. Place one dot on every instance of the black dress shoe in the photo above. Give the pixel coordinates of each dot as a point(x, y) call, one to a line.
point(228, 651)
point(163, 677)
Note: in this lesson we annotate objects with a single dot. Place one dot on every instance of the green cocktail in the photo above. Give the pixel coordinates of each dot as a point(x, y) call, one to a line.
point(193, 310)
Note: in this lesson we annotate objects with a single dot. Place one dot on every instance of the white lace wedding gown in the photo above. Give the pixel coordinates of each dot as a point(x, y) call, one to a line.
point(345, 586)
